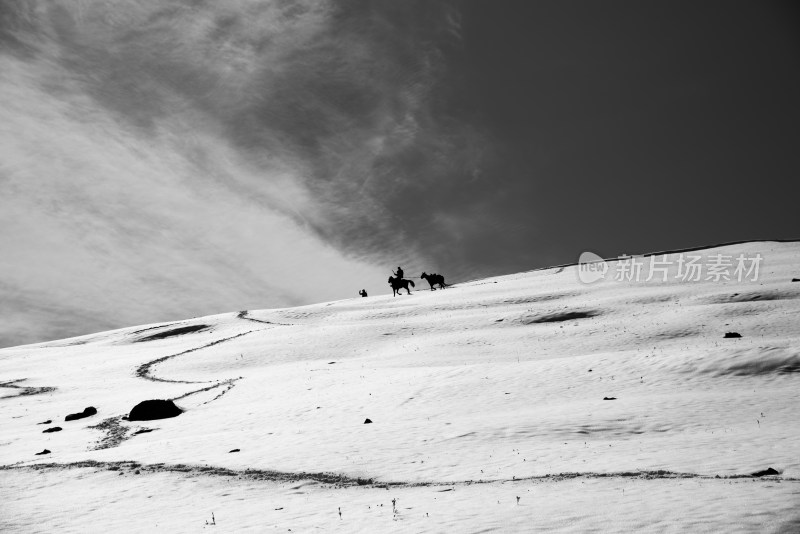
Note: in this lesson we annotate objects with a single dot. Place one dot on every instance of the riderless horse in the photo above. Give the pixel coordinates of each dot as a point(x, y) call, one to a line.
point(434, 279)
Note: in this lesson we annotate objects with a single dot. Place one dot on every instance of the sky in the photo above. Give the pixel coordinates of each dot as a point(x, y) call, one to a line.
point(163, 160)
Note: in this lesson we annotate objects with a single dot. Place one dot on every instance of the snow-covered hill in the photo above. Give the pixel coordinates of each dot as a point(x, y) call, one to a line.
point(486, 401)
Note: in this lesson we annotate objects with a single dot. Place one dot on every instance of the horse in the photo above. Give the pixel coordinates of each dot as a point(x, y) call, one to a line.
point(434, 279)
point(398, 284)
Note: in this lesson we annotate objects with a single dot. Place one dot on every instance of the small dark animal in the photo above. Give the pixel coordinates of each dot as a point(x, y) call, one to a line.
point(434, 279)
point(398, 284)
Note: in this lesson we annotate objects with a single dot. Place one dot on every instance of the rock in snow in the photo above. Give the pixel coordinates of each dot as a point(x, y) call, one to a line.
point(765, 472)
point(88, 411)
point(154, 409)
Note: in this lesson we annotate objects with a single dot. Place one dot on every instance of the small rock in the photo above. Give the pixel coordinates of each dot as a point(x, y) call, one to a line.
point(367, 421)
point(53, 429)
point(46, 451)
point(143, 431)
point(233, 450)
point(609, 398)
point(732, 334)
point(45, 422)
point(766, 472)
point(88, 411)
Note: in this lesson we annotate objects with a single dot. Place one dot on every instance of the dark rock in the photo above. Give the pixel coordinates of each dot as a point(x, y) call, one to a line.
point(46, 451)
point(143, 431)
point(88, 411)
point(45, 422)
point(367, 421)
point(174, 332)
point(559, 317)
point(154, 409)
point(609, 398)
point(766, 472)
point(53, 429)
point(732, 334)
point(233, 450)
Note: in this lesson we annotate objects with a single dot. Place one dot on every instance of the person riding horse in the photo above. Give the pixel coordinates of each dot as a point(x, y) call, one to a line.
point(397, 282)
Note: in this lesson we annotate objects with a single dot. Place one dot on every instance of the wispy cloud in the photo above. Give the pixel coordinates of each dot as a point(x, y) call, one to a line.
point(162, 160)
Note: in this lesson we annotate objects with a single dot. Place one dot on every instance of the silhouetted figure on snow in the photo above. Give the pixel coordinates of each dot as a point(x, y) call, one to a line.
point(434, 279)
point(399, 273)
point(363, 292)
point(398, 284)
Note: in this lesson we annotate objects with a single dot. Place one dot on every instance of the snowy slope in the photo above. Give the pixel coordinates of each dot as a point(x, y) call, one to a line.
point(481, 393)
